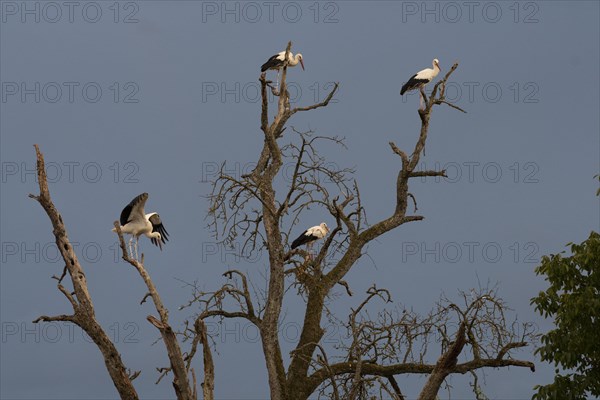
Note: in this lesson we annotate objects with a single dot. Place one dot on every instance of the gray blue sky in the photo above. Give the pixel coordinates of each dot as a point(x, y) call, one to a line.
point(150, 96)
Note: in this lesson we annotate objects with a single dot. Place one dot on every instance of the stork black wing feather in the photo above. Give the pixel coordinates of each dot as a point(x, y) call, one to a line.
point(126, 213)
point(407, 85)
point(163, 232)
point(272, 62)
point(303, 239)
point(157, 226)
point(413, 83)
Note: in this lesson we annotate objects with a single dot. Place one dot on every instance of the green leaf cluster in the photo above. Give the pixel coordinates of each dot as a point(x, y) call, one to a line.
point(573, 301)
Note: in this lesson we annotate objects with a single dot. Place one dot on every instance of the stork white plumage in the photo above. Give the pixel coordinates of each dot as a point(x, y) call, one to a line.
point(135, 222)
point(276, 62)
point(421, 79)
point(310, 235)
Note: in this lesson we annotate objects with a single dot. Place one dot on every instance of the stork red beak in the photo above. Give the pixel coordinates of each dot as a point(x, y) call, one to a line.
point(302, 64)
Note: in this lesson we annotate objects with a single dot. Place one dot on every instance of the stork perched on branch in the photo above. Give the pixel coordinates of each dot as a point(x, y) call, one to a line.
point(135, 223)
point(420, 79)
point(311, 235)
point(277, 62)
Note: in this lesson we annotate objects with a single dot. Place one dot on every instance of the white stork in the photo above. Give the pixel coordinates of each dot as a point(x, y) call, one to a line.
point(276, 62)
point(311, 235)
point(421, 79)
point(135, 223)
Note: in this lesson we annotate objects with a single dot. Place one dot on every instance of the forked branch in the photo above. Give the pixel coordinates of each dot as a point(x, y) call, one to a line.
point(181, 382)
point(81, 301)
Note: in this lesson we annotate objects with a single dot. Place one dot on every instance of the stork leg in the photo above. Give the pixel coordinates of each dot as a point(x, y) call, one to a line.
point(278, 71)
point(309, 248)
point(137, 242)
point(421, 107)
point(131, 246)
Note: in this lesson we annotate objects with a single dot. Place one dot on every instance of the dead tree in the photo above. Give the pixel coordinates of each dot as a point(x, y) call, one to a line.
point(256, 209)
point(181, 384)
point(400, 342)
point(84, 314)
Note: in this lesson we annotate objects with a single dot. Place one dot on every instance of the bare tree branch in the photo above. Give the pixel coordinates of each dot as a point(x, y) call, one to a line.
point(84, 314)
point(181, 383)
point(45, 318)
point(380, 348)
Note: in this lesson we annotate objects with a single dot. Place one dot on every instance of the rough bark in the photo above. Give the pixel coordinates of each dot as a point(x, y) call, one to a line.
point(312, 332)
point(270, 320)
point(444, 366)
point(181, 383)
point(262, 177)
point(81, 301)
point(84, 315)
point(208, 386)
